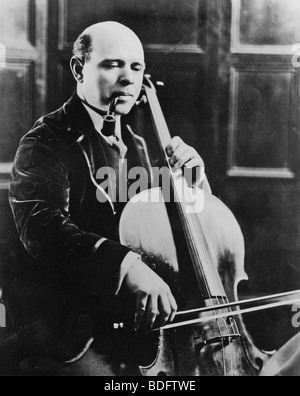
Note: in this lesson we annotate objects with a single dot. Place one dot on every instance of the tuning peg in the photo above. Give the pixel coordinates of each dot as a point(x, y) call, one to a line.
point(160, 84)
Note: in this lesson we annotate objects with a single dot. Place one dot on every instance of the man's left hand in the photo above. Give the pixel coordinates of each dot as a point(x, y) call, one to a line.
point(181, 154)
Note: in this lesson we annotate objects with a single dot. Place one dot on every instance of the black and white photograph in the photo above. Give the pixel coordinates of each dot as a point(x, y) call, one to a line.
point(149, 190)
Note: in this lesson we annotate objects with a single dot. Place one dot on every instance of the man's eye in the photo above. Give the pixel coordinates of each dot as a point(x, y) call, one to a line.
point(137, 68)
point(112, 65)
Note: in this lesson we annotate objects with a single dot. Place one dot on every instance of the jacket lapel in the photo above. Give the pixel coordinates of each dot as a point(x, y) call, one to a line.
point(81, 130)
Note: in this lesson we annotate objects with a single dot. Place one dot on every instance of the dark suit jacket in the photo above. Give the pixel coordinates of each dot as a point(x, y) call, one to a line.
point(60, 220)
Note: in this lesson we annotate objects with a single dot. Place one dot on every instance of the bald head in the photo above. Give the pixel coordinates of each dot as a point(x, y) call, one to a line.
point(109, 62)
point(104, 35)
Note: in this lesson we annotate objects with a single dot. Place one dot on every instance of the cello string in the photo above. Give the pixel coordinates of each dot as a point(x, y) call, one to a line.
point(193, 249)
point(196, 268)
point(198, 265)
point(218, 285)
point(186, 227)
point(232, 328)
point(191, 222)
point(164, 135)
point(217, 277)
point(214, 277)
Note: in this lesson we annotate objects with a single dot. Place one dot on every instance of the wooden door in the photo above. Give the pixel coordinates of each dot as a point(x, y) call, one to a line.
point(255, 126)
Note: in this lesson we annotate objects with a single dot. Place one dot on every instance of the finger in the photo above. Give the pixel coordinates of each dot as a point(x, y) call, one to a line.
point(193, 163)
point(196, 160)
point(175, 143)
point(141, 308)
point(184, 158)
point(180, 151)
point(178, 155)
point(152, 312)
point(165, 310)
point(174, 307)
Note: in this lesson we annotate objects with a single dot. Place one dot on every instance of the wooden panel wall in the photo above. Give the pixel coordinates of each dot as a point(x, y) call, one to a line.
point(23, 72)
point(262, 129)
point(252, 131)
point(23, 38)
point(264, 87)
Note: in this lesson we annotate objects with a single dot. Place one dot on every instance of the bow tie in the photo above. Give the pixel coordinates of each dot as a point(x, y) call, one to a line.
point(109, 127)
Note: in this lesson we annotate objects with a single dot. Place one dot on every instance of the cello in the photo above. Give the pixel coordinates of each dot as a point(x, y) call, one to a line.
point(196, 245)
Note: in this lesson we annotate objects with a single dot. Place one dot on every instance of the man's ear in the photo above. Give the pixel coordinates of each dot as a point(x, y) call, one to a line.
point(77, 65)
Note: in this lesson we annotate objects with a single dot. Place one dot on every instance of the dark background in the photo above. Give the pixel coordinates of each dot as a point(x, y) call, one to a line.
point(230, 90)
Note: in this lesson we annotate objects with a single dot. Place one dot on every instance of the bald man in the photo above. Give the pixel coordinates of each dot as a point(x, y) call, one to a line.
point(64, 299)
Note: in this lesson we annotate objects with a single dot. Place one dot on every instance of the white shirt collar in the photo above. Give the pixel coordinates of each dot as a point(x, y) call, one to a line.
point(98, 124)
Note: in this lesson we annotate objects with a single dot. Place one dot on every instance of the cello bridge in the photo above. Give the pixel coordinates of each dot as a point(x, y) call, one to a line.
point(219, 342)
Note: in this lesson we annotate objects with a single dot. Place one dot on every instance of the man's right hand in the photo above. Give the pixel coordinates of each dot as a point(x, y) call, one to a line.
point(155, 303)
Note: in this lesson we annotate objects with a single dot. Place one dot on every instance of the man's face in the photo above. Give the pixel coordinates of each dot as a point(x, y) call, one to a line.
point(116, 69)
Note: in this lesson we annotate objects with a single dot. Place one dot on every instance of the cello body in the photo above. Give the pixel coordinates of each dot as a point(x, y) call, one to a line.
point(215, 348)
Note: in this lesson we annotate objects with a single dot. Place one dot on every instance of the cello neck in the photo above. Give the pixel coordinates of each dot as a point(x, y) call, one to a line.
point(208, 279)
point(160, 124)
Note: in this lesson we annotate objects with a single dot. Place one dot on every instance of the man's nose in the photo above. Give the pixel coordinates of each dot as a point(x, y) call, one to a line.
point(126, 77)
